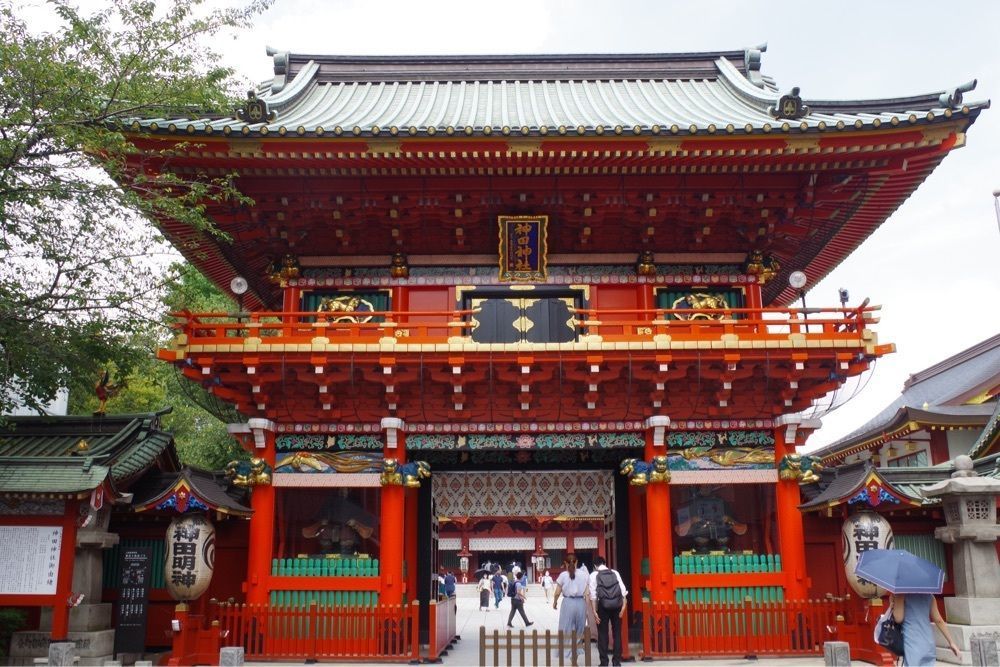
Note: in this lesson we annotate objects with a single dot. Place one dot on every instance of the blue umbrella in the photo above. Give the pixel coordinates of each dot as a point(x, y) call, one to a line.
point(899, 571)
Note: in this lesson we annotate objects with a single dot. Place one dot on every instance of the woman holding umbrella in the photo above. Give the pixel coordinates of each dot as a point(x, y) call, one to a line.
point(916, 611)
point(913, 582)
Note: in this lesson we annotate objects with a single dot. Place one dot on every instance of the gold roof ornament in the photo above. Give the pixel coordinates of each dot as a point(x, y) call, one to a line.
point(287, 270)
point(765, 267)
point(646, 263)
point(398, 266)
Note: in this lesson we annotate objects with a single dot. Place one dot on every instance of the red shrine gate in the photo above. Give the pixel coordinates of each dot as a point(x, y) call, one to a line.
point(547, 263)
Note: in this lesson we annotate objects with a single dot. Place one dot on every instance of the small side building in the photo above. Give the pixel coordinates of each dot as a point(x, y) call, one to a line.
point(77, 491)
point(60, 478)
point(941, 413)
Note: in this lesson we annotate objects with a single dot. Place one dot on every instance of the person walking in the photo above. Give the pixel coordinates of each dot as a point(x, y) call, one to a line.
point(916, 611)
point(484, 592)
point(517, 595)
point(547, 583)
point(608, 595)
point(571, 586)
point(449, 584)
point(499, 587)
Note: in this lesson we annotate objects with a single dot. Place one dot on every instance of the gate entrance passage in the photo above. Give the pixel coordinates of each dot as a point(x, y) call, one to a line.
point(528, 518)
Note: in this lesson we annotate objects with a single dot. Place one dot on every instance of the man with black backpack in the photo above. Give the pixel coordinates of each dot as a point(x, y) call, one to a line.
point(607, 594)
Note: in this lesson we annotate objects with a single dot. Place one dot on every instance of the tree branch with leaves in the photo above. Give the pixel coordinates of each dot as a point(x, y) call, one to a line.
point(82, 268)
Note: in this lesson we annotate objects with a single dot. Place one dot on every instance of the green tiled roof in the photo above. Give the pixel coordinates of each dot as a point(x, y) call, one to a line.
point(45, 454)
point(538, 95)
point(989, 435)
point(27, 477)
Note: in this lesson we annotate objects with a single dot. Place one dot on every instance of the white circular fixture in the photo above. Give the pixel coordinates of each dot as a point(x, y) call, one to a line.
point(797, 279)
point(238, 285)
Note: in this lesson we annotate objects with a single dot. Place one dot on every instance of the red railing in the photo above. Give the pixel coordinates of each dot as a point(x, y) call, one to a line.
point(792, 627)
point(385, 633)
point(610, 324)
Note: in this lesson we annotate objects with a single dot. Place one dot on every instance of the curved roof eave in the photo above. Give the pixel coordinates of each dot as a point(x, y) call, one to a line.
point(300, 84)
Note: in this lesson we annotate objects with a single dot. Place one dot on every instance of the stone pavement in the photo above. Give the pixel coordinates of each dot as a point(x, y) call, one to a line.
point(466, 650)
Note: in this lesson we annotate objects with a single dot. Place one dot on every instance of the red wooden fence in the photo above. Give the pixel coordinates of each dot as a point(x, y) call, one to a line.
point(792, 627)
point(380, 633)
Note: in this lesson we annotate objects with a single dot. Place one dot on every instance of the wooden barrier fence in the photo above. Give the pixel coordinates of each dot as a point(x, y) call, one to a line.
point(534, 648)
point(381, 633)
point(443, 624)
point(791, 627)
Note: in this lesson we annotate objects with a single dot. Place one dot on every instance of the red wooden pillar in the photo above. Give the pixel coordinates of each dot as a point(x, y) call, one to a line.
point(636, 526)
point(410, 545)
point(791, 538)
point(393, 514)
point(658, 526)
point(261, 538)
point(64, 584)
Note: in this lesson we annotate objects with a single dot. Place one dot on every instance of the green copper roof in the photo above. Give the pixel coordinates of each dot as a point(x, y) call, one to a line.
point(76, 454)
point(628, 94)
point(26, 476)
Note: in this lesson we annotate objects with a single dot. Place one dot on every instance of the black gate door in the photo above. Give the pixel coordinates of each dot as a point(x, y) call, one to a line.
point(524, 318)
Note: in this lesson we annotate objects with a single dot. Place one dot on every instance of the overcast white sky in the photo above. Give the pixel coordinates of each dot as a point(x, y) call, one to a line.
point(932, 265)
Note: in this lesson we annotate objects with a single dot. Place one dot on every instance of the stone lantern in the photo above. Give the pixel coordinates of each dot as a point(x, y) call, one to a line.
point(970, 511)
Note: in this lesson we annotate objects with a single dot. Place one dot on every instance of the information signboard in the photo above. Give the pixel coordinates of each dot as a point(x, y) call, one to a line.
point(30, 557)
point(133, 599)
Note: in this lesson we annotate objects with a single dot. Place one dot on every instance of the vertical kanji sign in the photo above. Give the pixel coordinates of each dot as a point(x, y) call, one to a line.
point(523, 247)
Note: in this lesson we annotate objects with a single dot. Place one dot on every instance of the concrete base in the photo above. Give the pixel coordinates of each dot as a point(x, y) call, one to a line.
point(972, 611)
point(84, 618)
point(837, 654)
point(963, 633)
point(963, 637)
point(97, 644)
point(986, 649)
point(231, 656)
point(78, 662)
point(62, 654)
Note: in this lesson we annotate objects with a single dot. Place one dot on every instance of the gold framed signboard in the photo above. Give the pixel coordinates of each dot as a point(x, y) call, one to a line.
point(523, 247)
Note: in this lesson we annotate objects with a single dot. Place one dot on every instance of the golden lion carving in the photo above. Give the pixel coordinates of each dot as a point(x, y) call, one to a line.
point(348, 305)
point(700, 301)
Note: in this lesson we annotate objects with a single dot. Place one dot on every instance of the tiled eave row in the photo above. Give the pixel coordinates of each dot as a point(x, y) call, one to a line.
point(204, 127)
point(894, 432)
point(542, 151)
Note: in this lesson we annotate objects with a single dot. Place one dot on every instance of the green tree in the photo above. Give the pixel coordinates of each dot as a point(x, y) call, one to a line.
point(80, 274)
point(197, 420)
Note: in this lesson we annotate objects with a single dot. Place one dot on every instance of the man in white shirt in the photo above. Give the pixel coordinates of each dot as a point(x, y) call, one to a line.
point(608, 595)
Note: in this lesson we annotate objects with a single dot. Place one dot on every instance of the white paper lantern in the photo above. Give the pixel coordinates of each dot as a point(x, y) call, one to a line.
point(190, 556)
point(863, 532)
